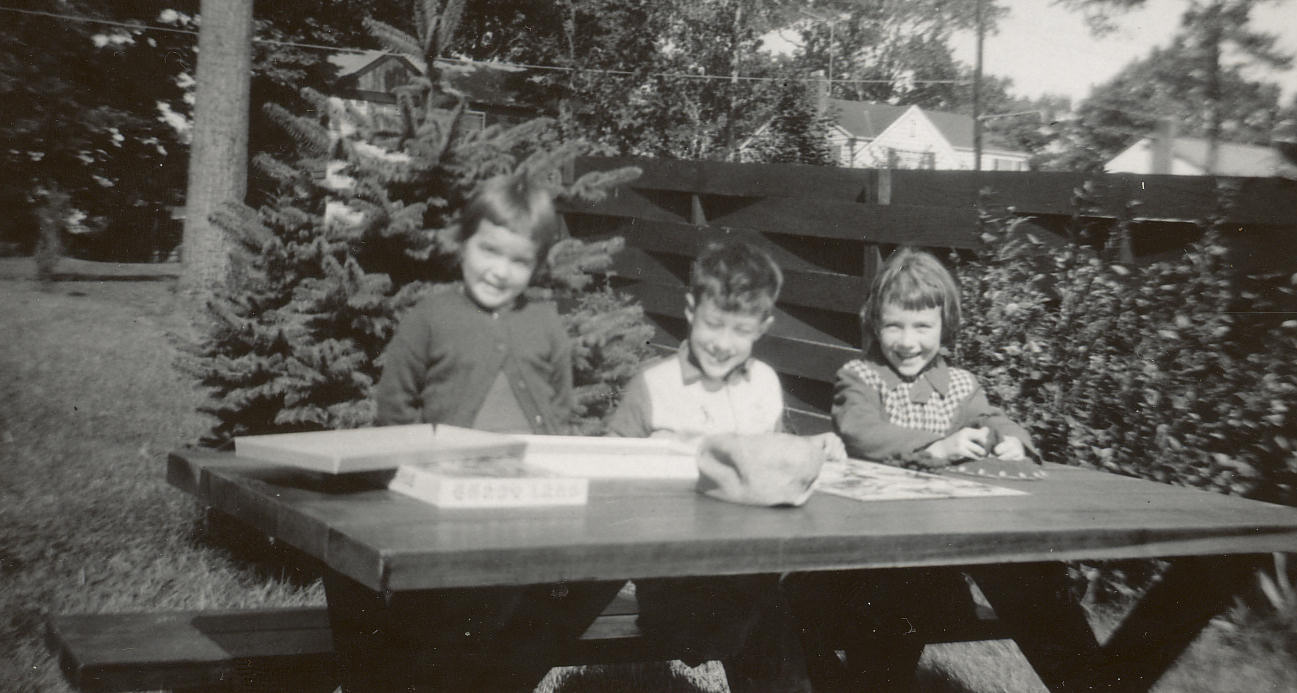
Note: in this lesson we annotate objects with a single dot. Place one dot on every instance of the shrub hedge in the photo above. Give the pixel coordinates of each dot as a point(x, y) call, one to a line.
point(1181, 371)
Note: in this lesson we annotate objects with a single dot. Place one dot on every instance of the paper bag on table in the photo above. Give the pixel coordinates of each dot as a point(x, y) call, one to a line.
point(759, 469)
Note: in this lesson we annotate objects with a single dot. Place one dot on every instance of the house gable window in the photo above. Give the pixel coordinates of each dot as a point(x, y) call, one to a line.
point(473, 121)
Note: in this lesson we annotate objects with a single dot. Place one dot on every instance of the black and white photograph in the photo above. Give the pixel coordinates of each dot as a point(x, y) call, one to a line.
point(648, 346)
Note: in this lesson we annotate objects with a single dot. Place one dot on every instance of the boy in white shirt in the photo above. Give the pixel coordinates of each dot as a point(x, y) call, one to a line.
point(713, 385)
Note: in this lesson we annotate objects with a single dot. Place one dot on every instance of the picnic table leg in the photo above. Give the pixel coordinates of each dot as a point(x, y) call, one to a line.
point(1036, 605)
point(482, 639)
point(547, 618)
point(1169, 617)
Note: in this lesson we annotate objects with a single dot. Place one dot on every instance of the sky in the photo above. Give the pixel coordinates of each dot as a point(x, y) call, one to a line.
point(1046, 49)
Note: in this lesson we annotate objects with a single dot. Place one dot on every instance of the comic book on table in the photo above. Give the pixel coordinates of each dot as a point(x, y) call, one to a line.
point(873, 481)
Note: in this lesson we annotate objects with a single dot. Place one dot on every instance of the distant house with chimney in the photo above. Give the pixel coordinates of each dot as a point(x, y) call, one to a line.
point(878, 135)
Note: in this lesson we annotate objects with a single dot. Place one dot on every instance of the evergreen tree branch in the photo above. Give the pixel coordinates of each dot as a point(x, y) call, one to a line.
point(393, 39)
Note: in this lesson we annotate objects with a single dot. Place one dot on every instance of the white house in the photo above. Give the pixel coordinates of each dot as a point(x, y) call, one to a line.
point(1187, 156)
point(875, 135)
point(878, 135)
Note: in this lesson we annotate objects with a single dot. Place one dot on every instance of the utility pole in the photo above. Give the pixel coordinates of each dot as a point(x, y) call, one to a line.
point(831, 21)
point(977, 90)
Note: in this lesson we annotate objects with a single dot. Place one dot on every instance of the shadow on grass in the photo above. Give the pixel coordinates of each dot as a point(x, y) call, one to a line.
point(646, 677)
point(936, 680)
point(661, 677)
point(268, 559)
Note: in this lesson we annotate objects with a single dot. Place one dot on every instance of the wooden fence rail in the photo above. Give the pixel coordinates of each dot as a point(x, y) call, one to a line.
point(829, 228)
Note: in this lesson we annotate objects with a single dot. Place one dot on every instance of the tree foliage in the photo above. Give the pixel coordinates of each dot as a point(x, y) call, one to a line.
point(798, 132)
point(671, 78)
point(1163, 85)
point(1180, 371)
point(897, 53)
point(1200, 81)
point(690, 79)
point(79, 113)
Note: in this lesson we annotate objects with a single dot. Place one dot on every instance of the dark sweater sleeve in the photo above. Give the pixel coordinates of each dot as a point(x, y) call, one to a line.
point(564, 400)
point(977, 410)
point(634, 413)
point(861, 422)
point(399, 395)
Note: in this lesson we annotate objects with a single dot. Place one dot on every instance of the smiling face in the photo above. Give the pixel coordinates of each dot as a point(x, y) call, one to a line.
point(721, 340)
point(497, 265)
point(909, 339)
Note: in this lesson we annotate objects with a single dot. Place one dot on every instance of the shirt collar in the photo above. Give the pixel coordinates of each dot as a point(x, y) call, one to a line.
point(934, 378)
point(691, 372)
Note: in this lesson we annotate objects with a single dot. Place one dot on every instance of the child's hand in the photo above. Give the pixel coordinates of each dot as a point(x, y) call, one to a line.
point(1010, 448)
point(966, 443)
point(833, 447)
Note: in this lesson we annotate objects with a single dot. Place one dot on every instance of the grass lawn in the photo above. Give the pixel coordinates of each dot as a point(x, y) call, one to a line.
point(91, 406)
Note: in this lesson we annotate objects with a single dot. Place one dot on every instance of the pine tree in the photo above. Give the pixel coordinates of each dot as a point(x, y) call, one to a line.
point(798, 132)
point(322, 273)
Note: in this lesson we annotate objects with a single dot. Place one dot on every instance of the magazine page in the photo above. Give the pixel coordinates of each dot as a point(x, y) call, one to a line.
point(872, 481)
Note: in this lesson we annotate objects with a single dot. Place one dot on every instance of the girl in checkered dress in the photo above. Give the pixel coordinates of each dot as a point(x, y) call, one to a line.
point(903, 397)
point(899, 400)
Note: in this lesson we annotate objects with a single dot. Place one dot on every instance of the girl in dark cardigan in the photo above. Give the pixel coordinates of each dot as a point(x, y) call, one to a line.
point(478, 352)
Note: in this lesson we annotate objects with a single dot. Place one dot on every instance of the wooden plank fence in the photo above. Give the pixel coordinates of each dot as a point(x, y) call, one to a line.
point(829, 228)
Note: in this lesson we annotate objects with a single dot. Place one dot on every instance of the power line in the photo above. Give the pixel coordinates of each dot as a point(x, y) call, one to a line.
point(139, 26)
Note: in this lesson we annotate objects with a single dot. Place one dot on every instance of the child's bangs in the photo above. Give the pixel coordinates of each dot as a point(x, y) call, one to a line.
point(908, 293)
point(748, 303)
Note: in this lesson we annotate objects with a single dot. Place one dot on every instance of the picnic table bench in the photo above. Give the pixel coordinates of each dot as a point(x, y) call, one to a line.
point(399, 551)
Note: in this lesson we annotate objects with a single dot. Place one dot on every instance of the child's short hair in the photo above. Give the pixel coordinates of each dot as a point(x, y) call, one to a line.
point(913, 280)
point(737, 277)
point(516, 203)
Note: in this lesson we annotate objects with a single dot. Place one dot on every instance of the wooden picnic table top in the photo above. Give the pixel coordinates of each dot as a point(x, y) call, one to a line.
point(640, 529)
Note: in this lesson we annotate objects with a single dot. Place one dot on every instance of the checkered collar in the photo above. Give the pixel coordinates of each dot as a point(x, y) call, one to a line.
point(691, 372)
point(934, 378)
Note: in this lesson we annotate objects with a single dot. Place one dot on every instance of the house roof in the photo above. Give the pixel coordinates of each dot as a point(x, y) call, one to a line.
point(353, 63)
point(864, 119)
point(868, 120)
point(1232, 159)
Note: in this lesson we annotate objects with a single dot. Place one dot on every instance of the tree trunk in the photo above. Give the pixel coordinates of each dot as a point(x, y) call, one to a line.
point(218, 156)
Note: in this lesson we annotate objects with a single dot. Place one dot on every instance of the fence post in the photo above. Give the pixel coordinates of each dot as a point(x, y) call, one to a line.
point(882, 196)
point(697, 216)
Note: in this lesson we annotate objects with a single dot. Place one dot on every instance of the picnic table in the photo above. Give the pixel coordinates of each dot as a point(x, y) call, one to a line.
point(395, 565)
